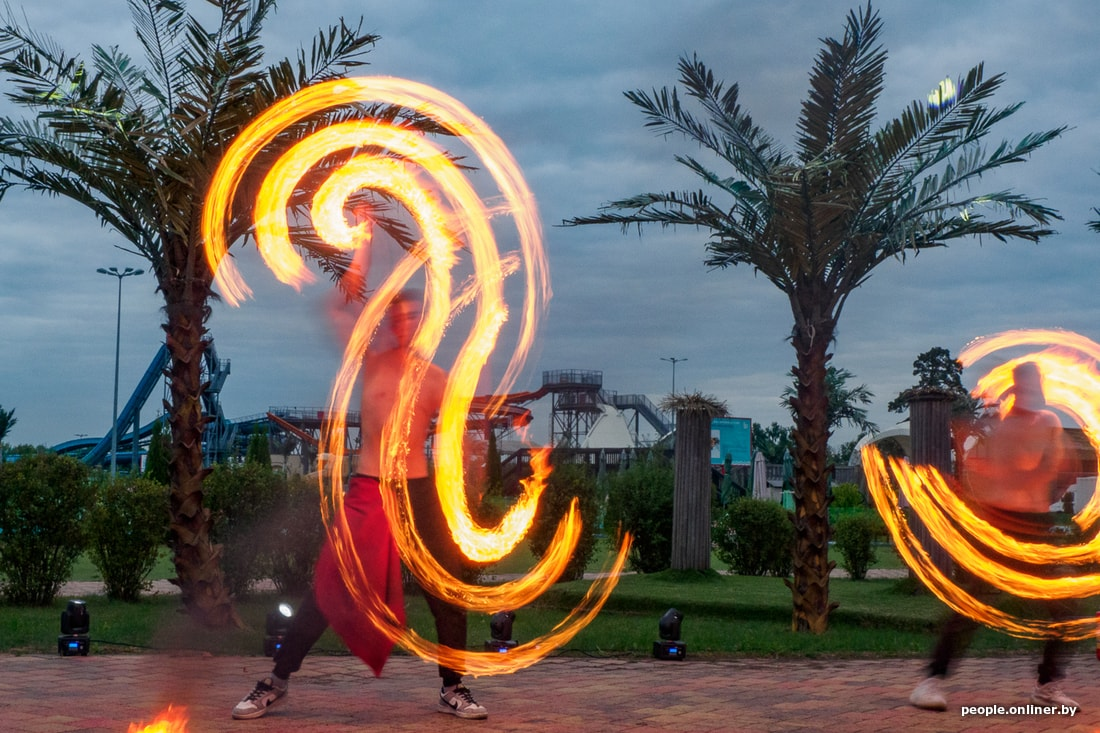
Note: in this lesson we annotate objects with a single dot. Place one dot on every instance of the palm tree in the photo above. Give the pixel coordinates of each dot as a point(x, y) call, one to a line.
point(137, 147)
point(817, 222)
point(844, 401)
point(7, 422)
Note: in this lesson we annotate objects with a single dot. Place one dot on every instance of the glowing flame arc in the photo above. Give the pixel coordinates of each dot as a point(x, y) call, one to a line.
point(408, 168)
point(1071, 383)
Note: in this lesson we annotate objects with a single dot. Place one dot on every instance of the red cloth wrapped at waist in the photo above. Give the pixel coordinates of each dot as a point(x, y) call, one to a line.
point(373, 543)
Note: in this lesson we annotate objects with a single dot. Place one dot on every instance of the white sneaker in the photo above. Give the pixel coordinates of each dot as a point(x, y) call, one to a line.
point(1051, 694)
point(928, 695)
point(460, 701)
point(256, 703)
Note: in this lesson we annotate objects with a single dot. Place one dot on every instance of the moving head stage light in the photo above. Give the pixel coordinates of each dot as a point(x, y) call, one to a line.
point(500, 628)
point(670, 646)
point(75, 625)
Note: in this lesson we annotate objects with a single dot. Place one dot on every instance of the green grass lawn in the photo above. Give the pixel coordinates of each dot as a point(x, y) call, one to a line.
point(84, 570)
point(724, 615)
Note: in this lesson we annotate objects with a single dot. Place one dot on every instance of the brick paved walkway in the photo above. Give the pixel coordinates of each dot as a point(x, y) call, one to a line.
point(108, 692)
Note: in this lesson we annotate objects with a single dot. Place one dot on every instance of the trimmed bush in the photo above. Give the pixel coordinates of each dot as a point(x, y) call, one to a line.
point(300, 533)
point(640, 502)
point(755, 537)
point(854, 536)
point(847, 495)
point(127, 526)
point(846, 501)
point(44, 500)
point(567, 480)
point(245, 501)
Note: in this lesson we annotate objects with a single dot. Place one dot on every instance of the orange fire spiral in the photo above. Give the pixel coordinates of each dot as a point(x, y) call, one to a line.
point(1071, 383)
point(407, 167)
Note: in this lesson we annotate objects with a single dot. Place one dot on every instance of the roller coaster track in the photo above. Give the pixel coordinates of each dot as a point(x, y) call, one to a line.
point(221, 434)
point(96, 451)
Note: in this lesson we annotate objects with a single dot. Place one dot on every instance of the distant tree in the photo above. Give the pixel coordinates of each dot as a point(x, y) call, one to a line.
point(259, 449)
point(841, 456)
point(818, 221)
point(494, 473)
point(284, 444)
point(156, 460)
point(937, 369)
point(844, 402)
point(26, 449)
point(773, 441)
point(568, 482)
point(7, 422)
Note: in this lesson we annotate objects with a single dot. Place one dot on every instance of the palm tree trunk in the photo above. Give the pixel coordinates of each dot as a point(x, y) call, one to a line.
point(691, 498)
point(810, 584)
point(205, 595)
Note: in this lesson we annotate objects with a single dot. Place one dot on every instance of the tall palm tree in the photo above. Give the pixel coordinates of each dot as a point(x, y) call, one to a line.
point(817, 222)
point(137, 146)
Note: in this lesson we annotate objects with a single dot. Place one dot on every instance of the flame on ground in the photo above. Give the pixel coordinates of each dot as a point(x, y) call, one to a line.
point(406, 167)
point(172, 720)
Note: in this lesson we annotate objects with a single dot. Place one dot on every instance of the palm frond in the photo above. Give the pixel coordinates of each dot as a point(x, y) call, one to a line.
point(845, 83)
point(734, 136)
point(129, 87)
point(158, 25)
point(924, 135)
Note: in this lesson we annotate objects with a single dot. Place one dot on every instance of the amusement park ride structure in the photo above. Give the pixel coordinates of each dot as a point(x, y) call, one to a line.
point(578, 402)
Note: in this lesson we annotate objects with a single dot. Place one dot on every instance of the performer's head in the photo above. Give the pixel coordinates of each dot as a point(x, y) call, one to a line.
point(1027, 387)
point(404, 313)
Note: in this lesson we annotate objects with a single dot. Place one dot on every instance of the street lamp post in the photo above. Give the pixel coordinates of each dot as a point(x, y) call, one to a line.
point(114, 272)
point(674, 361)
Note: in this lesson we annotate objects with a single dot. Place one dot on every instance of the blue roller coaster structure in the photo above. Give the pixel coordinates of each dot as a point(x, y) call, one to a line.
point(577, 398)
point(131, 433)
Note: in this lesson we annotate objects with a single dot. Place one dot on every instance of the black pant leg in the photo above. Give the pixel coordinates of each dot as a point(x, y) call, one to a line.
point(305, 629)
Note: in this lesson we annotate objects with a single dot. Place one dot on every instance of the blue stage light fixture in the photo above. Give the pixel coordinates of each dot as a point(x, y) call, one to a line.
point(500, 628)
point(276, 628)
point(75, 625)
point(670, 646)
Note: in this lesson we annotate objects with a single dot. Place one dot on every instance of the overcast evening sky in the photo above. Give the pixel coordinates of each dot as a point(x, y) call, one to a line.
point(549, 78)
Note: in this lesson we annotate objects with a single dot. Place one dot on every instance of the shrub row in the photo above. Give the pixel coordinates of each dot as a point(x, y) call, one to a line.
point(566, 482)
point(269, 526)
point(53, 509)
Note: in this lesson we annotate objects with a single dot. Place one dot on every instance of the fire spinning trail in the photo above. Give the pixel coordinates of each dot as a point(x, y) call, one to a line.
point(453, 222)
point(1071, 383)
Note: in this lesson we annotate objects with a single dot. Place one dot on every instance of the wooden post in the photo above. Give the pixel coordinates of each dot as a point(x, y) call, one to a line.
point(692, 488)
point(691, 501)
point(930, 445)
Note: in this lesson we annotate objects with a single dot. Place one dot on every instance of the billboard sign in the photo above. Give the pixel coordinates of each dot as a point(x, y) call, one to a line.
point(731, 436)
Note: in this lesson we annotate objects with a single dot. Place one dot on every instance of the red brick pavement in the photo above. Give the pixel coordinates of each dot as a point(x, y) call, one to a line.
point(108, 692)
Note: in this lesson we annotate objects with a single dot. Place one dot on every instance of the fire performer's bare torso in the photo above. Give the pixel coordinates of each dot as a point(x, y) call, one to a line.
point(382, 374)
point(1021, 457)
